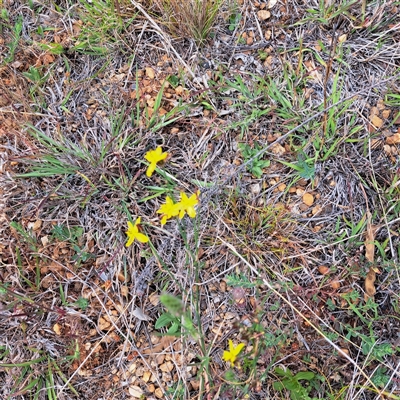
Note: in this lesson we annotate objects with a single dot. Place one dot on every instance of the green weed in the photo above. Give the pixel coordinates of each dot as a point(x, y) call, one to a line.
point(16, 35)
point(178, 320)
point(328, 11)
point(29, 383)
point(256, 165)
point(102, 27)
point(73, 235)
point(292, 383)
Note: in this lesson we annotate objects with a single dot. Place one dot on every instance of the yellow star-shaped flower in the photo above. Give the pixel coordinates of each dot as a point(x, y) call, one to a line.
point(133, 233)
point(153, 157)
point(169, 209)
point(187, 204)
point(231, 354)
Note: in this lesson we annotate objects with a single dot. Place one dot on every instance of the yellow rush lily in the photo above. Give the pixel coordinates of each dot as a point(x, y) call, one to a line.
point(168, 210)
point(133, 233)
point(187, 204)
point(153, 157)
point(231, 354)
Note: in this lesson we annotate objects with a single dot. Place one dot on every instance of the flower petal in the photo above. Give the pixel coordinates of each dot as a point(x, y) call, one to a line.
point(191, 212)
point(238, 349)
point(150, 169)
point(141, 237)
point(130, 241)
point(226, 356)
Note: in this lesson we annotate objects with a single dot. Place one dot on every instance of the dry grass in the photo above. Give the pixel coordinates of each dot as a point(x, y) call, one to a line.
point(192, 19)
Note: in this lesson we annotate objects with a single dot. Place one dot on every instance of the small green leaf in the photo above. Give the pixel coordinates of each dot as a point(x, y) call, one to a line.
point(282, 372)
point(172, 304)
point(82, 303)
point(305, 375)
point(163, 320)
point(174, 328)
point(278, 386)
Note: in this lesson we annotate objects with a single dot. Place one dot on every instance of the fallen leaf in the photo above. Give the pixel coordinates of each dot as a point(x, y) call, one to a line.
point(308, 199)
point(278, 149)
point(323, 269)
point(316, 210)
point(167, 367)
point(271, 3)
point(370, 284)
point(44, 240)
point(394, 139)
point(150, 73)
point(103, 324)
point(313, 71)
point(35, 225)
point(282, 187)
point(376, 121)
point(369, 240)
point(344, 352)
point(263, 14)
point(335, 284)
point(135, 391)
point(139, 314)
point(369, 255)
point(57, 329)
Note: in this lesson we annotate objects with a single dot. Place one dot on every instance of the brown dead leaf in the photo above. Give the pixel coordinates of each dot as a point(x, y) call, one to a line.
point(394, 139)
point(313, 71)
point(335, 284)
point(282, 187)
point(323, 269)
point(150, 73)
point(135, 391)
point(369, 240)
point(57, 329)
point(370, 284)
point(278, 149)
point(344, 352)
point(316, 210)
point(376, 121)
point(308, 199)
point(263, 14)
point(369, 255)
point(35, 225)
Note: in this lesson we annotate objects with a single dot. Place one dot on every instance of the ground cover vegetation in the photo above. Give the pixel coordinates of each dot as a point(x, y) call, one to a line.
point(199, 199)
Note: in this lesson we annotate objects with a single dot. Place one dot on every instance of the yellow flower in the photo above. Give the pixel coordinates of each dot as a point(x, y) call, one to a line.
point(169, 209)
point(133, 233)
point(187, 204)
point(153, 157)
point(232, 353)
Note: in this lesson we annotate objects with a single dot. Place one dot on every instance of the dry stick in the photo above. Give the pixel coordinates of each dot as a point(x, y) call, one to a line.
point(166, 39)
point(294, 308)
